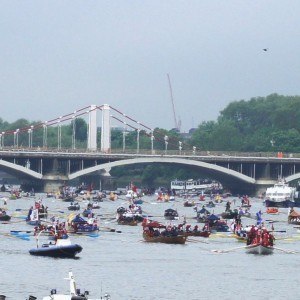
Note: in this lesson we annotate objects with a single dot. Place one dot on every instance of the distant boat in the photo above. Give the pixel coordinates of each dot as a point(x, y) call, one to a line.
point(293, 217)
point(196, 185)
point(137, 201)
point(155, 232)
point(188, 203)
point(171, 214)
point(74, 206)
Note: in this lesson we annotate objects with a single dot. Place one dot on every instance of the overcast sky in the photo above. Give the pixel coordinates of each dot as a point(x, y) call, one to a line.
point(59, 56)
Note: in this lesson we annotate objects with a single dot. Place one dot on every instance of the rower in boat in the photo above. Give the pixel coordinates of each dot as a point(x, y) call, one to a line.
point(293, 217)
point(260, 241)
point(3, 215)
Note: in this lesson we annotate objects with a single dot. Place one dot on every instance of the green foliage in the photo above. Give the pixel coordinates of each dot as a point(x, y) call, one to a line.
point(253, 125)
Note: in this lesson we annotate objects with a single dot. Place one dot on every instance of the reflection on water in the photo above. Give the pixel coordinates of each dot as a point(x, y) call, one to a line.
point(128, 268)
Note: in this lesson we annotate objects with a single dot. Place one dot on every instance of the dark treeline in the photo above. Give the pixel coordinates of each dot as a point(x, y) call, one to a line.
point(268, 124)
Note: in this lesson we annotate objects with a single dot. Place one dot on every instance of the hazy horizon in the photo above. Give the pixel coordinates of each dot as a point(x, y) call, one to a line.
point(59, 56)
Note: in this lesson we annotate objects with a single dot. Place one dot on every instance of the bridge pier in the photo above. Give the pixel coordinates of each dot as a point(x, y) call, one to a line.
point(105, 129)
point(53, 183)
point(92, 130)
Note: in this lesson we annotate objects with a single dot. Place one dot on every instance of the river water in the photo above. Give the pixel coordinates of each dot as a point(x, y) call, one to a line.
point(128, 268)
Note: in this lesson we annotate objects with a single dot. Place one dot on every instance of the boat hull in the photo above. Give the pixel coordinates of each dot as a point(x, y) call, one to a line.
point(128, 223)
point(285, 203)
point(5, 218)
point(198, 233)
point(259, 249)
point(179, 239)
point(57, 251)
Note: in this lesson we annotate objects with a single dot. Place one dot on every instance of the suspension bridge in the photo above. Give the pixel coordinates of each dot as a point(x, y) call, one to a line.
point(26, 153)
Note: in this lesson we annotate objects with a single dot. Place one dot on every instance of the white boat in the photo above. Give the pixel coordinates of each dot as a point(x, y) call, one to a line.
point(131, 194)
point(74, 293)
point(259, 249)
point(196, 185)
point(280, 195)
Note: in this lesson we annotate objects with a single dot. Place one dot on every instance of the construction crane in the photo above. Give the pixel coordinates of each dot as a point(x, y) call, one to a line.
point(177, 124)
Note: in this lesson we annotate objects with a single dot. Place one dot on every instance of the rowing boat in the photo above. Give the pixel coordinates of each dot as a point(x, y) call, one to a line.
point(259, 249)
point(167, 239)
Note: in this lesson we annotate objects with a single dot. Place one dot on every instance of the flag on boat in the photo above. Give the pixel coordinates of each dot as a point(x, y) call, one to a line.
point(34, 215)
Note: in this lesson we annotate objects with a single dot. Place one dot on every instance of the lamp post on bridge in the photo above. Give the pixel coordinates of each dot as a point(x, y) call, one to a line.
point(29, 138)
point(180, 147)
point(194, 150)
point(2, 139)
point(74, 131)
point(59, 134)
point(138, 139)
point(124, 137)
point(45, 133)
point(152, 142)
point(166, 138)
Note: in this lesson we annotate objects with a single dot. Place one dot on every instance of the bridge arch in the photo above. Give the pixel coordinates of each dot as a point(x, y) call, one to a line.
point(17, 169)
point(292, 177)
point(169, 160)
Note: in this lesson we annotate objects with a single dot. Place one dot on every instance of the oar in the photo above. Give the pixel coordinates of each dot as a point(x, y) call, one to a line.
point(107, 229)
point(196, 241)
point(229, 250)
point(22, 236)
point(18, 231)
point(286, 251)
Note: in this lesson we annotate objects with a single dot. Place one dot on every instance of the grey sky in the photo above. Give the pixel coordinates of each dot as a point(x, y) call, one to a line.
point(59, 56)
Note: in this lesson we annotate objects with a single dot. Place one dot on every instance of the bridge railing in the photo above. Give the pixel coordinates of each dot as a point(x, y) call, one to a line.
point(151, 152)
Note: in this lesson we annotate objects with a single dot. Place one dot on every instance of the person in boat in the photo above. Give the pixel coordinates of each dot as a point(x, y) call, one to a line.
point(227, 206)
point(195, 228)
point(251, 235)
point(259, 217)
point(188, 228)
point(205, 227)
point(29, 212)
point(271, 239)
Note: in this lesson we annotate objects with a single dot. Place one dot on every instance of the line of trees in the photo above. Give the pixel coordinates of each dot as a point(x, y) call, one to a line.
point(267, 124)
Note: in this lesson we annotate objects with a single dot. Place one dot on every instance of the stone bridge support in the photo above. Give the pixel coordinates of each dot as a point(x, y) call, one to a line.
point(105, 129)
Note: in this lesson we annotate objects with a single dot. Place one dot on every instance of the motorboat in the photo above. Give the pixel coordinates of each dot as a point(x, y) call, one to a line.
point(74, 293)
point(74, 206)
point(280, 195)
point(171, 214)
point(58, 248)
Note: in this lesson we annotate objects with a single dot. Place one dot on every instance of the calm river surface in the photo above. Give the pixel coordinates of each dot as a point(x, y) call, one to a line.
point(128, 268)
